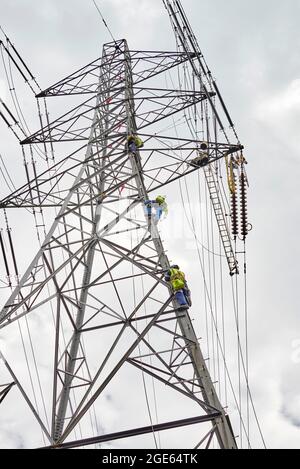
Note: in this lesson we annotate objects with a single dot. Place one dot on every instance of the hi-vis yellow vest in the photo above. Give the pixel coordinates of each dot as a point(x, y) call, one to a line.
point(139, 142)
point(160, 200)
point(177, 279)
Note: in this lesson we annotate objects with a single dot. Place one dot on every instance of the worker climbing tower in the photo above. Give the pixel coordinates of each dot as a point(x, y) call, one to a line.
point(95, 291)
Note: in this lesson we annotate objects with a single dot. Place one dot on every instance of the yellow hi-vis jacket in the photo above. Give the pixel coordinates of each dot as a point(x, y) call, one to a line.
point(139, 142)
point(160, 200)
point(177, 279)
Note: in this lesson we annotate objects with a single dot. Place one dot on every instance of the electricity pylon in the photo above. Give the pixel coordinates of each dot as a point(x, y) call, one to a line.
point(102, 245)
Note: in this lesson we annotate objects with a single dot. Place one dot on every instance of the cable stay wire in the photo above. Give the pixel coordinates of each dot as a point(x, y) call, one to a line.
point(175, 128)
point(26, 355)
point(219, 341)
point(104, 22)
point(13, 92)
point(6, 176)
point(20, 63)
point(194, 231)
point(245, 371)
point(23, 69)
point(7, 173)
point(11, 88)
point(21, 116)
point(209, 287)
point(225, 366)
point(40, 239)
point(214, 324)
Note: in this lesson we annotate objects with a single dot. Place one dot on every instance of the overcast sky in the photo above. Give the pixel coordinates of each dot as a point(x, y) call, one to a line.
point(252, 48)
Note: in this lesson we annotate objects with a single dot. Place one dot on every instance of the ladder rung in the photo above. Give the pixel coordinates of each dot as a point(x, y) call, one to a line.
point(220, 218)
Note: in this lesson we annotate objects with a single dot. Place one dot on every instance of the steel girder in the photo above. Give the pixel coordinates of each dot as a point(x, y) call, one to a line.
point(86, 256)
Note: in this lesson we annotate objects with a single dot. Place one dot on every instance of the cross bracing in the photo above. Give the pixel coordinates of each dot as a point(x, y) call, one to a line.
point(85, 256)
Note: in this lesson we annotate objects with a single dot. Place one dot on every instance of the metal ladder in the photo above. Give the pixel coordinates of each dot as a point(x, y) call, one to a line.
point(221, 220)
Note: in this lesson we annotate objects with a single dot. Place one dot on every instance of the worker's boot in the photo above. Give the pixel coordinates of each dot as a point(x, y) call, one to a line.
point(183, 307)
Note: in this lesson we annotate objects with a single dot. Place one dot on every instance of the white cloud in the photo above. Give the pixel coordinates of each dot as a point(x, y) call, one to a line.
point(280, 112)
point(283, 103)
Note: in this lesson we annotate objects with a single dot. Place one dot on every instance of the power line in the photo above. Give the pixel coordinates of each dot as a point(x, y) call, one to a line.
point(84, 257)
point(105, 23)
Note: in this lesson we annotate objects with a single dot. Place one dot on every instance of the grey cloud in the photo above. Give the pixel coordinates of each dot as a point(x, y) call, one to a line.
point(287, 413)
point(290, 386)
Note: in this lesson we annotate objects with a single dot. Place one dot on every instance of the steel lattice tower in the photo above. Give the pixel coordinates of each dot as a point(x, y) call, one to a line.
point(87, 262)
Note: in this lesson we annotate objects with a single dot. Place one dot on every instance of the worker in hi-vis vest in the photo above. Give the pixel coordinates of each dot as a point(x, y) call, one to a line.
point(134, 143)
point(159, 205)
point(176, 278)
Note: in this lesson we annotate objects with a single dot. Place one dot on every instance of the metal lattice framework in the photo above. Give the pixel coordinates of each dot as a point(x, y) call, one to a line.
point(87, 263)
